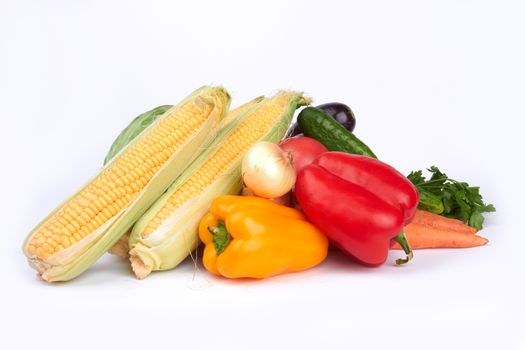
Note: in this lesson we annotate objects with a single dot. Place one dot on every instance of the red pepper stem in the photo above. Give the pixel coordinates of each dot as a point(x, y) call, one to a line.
point(402, 240)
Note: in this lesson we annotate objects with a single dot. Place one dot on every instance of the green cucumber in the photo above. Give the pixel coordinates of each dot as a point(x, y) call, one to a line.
point(318, 125)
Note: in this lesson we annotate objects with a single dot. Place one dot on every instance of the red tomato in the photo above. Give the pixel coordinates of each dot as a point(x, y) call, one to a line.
point(304, 150)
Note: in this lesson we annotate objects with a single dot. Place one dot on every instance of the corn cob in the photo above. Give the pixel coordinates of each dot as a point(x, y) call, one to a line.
point(81, 229)
point(167, 233)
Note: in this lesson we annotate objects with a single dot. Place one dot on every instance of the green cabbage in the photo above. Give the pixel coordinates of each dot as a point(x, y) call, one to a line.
point(137, 125)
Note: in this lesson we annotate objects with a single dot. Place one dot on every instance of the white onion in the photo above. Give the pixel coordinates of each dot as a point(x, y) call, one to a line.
point(267, 170)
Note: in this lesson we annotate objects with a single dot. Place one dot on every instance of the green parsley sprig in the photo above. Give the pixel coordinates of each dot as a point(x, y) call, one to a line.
point(450, 198)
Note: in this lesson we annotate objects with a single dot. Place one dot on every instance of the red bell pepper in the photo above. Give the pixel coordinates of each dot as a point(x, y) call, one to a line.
point(360, 203)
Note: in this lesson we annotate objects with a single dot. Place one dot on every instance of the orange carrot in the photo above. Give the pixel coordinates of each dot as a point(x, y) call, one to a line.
point(424, 236)
point(442, 223)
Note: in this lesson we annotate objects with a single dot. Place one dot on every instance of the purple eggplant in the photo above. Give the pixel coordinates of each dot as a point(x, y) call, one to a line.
point(339, 111)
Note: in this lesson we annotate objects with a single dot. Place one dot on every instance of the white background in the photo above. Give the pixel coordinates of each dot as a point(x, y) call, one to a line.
point(431, 82)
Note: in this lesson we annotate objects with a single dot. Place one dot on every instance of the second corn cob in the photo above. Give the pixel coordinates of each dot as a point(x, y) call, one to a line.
point(167, 233)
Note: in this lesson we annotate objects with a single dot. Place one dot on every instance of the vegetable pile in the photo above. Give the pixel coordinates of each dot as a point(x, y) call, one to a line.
point(263, 196)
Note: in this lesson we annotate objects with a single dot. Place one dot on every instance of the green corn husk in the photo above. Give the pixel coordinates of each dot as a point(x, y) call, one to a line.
point(72, 261)
point(177, 236)
point(135, 128)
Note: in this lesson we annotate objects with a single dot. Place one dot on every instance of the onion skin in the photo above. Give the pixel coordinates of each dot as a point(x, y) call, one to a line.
point(267, 170)
point(283, 200)
point(247, 192)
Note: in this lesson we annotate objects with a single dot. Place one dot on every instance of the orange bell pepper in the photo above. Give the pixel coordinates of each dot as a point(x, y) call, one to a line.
point(255, 237)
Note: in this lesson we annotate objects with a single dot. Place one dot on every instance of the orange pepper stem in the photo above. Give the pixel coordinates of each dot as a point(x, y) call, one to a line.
point(402, 240)
point(221, 237)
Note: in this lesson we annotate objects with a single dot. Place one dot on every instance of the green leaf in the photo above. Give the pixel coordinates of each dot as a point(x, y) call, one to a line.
point(459, 199)
point(430, 202)
point(137, 126)
point(489, 208)
point(416, 177)
point(476, 220)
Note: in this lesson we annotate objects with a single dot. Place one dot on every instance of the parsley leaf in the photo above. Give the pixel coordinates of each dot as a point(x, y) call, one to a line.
point(416, 177)
point(459, 199)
